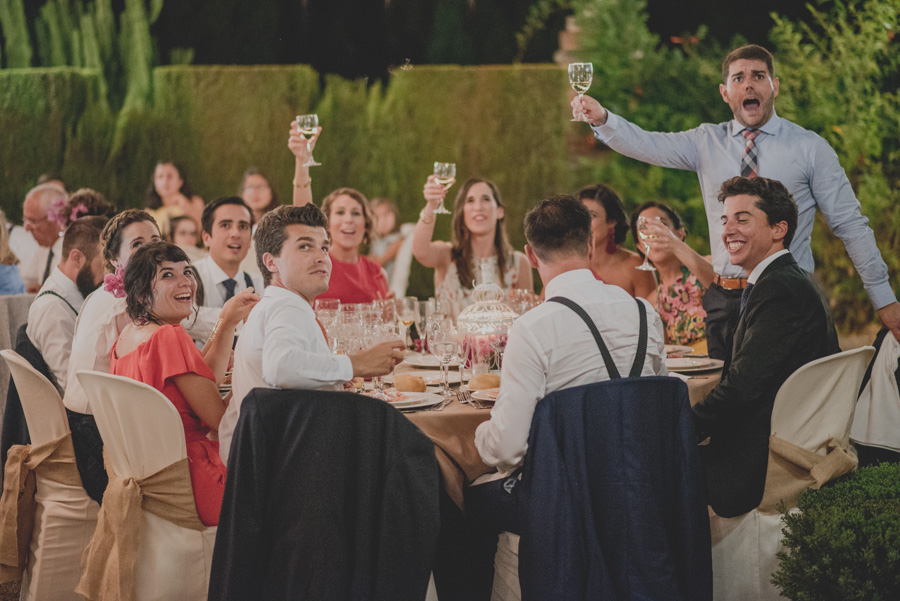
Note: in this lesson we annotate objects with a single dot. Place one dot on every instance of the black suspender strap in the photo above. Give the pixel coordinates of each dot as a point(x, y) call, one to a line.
point(638, 365)
point(45, 292)
point(611, 368)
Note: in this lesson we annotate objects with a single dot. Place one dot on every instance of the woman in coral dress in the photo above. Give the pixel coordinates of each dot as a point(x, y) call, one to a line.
point(154, 348)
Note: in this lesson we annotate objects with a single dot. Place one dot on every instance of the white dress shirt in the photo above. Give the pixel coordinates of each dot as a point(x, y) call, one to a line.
point(102, 318)
point(212, 277)
point(550, 348)
point(51, 322)
point(282, 347)
point(32, 268)
point(22, 243)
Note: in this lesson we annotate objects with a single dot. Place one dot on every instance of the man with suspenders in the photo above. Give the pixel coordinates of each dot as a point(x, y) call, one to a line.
point(51, 317)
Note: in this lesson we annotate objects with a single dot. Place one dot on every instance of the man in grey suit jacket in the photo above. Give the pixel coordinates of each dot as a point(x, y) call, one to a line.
point(784, 324)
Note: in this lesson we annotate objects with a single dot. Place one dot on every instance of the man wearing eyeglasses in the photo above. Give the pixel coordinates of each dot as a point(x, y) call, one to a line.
point(46, 232)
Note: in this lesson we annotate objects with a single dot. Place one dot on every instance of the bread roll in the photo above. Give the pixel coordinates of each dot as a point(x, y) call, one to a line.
point(409, 383)
point(484, 381)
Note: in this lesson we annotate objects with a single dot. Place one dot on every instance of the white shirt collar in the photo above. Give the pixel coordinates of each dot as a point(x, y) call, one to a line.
point(568, 278)
point(283, 293)
point(761, 267)
point(218, 275)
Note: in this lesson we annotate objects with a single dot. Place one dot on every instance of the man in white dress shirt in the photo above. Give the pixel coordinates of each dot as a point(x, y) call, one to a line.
point(36, 268)
point(283, 345)
point(51, 317)
point(549, 348)
point(226, 223)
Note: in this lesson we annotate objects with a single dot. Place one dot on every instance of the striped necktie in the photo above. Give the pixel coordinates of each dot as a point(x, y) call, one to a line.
point(749, 164)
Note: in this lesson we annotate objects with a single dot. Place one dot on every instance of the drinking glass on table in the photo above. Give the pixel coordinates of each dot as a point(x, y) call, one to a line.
point(422, 315)
point(580, 77)
point(445, 175)
point(443, 343)
point(645, 239)
point(407, 310)
point(328, 310)
point(308, 126)
point(383, 333)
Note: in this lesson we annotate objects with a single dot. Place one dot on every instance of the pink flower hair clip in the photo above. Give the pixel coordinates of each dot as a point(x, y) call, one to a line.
point(114, 282)
point(77, 212)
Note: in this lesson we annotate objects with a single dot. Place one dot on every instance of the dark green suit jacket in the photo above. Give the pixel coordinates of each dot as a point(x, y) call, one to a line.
point(785, 325)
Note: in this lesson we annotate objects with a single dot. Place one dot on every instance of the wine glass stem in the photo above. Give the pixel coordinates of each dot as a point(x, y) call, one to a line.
point(445, 376)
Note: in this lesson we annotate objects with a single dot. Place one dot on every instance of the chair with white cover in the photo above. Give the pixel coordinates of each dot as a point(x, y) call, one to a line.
point(809, 445)
point(142, 435)
point(64, 515)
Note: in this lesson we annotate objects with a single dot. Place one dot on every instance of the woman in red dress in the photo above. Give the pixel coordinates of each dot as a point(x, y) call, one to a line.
point(354, 277)
point(162, 290)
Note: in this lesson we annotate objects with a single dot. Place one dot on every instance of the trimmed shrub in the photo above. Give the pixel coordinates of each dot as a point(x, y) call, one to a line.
point(844, 544)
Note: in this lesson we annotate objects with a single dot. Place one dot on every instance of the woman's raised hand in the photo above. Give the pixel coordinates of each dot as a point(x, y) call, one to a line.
point(434, 192)
point(238, 307)
point(297, 143)
point(662, 238)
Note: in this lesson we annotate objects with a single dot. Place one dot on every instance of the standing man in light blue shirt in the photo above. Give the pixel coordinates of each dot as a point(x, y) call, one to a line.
point(755, 142)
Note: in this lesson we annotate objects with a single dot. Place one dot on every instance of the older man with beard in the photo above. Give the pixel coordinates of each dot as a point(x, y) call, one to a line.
point(51, 318)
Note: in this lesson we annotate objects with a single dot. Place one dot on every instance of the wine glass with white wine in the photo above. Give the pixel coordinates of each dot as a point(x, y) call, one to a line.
point(407, 310)
point(308, 126)
point(580, 77)
point(645, 239)
point(445, 175)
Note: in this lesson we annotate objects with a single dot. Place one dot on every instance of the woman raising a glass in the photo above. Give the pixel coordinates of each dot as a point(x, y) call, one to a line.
point(684, 275)
point(479, 237)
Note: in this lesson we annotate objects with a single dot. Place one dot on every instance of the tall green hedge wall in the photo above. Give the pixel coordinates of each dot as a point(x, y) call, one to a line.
point(508, 124)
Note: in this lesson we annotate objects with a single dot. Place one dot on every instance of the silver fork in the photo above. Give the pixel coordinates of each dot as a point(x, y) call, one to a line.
point(466, 397)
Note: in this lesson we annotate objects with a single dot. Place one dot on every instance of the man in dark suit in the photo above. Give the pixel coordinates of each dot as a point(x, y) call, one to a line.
point(784, 324)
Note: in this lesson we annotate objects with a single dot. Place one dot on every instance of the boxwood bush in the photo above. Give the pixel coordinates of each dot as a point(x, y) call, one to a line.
point(844, 545)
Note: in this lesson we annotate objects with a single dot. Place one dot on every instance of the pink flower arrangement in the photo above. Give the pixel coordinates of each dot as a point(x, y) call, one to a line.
point(77, 211)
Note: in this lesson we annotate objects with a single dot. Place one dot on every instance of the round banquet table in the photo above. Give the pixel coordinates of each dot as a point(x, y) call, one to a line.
point(453, 432)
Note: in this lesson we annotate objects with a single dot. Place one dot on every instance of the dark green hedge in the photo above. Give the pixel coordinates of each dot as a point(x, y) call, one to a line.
point(844, 544)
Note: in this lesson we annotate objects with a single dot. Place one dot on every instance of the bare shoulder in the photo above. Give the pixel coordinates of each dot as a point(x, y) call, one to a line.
point(133, 336)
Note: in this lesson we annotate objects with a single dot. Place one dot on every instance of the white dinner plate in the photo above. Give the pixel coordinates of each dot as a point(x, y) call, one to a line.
point(688, 365)
point(432, 377)
point(488, 395)
point(425, 360)
point(678, 349)
point(417, 400)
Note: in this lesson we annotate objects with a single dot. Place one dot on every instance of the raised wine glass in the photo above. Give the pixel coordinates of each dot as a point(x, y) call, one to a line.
point(308, 125)
point(580, 77)
point(445, 175)
point(645, 239)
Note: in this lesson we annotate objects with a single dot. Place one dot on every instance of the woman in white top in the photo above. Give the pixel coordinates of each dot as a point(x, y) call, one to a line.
point(478, 237)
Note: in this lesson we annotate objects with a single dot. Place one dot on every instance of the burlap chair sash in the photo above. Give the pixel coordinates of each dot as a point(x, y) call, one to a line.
point(793, 469)
point(108, 563)
point(54, 460)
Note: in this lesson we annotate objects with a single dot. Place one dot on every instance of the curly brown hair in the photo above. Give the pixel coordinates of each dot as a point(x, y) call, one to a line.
point(140, 276)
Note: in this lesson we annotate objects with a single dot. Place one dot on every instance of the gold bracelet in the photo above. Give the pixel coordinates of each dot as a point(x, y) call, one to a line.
point(425, 220)
point(302, 186)
point(215, 331)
